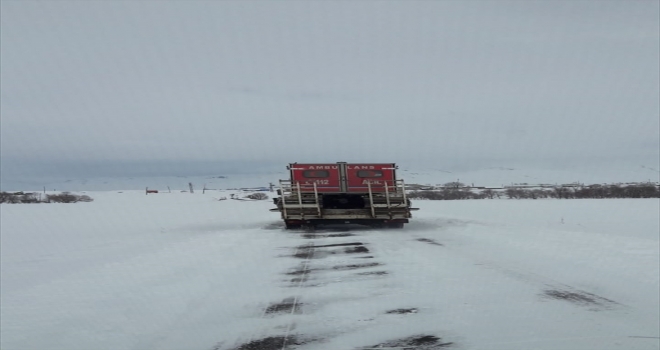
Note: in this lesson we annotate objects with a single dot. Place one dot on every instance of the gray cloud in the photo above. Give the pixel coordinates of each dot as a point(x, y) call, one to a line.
point(453, 82)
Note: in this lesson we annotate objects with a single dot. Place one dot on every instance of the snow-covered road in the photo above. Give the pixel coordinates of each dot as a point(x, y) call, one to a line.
point(184, 271)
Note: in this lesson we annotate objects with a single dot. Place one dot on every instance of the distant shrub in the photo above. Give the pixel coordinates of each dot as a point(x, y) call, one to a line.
point(64, 197)
point(29, 198)
point(636, 190)
point(444, 194)
point(19, 197)
point(5, 197)
point(26, 198)
point(85, 198)
point(257, 195)
point(454, 184)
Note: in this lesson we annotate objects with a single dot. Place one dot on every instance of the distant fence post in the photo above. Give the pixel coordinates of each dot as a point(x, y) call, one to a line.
point(191, 187)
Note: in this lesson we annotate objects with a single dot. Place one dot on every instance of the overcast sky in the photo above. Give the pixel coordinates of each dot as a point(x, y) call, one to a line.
point(126, 82)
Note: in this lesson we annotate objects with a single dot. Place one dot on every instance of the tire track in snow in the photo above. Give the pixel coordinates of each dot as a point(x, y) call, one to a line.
point(318, 249)
point(297, 292)
point(552, 289)
point(273, 342)
point(555, 290)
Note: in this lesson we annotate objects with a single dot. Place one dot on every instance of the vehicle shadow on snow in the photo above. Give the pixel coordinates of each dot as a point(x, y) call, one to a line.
point(274, 225)
point(222, 226)
point(333, 230)
point(435, 224)
point(415, 224)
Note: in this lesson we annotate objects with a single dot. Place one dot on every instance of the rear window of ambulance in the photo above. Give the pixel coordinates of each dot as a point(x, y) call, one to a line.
point(370, 173)
point(316, 173)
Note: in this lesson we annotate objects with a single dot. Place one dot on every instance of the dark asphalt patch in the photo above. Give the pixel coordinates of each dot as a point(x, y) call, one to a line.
point(304, 254)
point(417, 342)
point(403, 311)
point(338, 245)
point(302, 271)
point(377, 273)
point(302, 274)
point(312, 252)
point(288, 305)
point(579, 297)
point(355, 266)
point(356, 250)
point(429, 241)
point(272, 343)
point(298, 280)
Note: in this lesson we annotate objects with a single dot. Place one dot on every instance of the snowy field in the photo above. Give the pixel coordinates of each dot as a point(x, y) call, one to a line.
point(185, 271)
